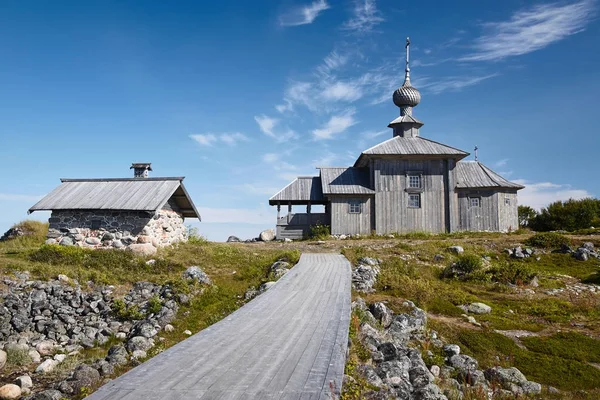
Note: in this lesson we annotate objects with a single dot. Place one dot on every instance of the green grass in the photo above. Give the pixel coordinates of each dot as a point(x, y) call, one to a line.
point(492, 349)
point(567, 345)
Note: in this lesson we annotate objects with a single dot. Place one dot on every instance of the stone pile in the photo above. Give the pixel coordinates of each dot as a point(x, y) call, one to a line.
point(276, 271)
point(47, 322)
point(583, 253)
point(398, 371)
point(519, 252)
point(12, 233)
point(365, 274)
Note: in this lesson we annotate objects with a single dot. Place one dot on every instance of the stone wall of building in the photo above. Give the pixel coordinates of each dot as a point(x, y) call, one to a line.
point(138, 231)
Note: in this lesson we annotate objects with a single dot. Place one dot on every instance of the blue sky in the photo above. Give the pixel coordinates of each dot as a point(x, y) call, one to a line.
point(240, 97)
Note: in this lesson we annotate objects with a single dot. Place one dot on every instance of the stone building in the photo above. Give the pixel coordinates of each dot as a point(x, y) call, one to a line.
point(405, 184)
point(138, 213)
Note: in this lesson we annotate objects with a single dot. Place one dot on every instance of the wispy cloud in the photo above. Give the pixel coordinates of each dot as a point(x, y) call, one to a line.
point(501, 163)
point(267, 125)
point(365, 17)
point(540, 194)
point(332, 62)
point(454, 83)
point(275, 160)
point(303, 15)
point(346, 91)
point(328, 159)
point(531, 29)
point(336, 125)
point(208, 139)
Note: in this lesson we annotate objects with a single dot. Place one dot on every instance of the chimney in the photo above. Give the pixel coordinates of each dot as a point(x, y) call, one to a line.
point(140, 170)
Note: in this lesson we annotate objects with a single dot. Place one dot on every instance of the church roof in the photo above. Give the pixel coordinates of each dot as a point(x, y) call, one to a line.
point(300, 191)
point(473, 174)
point(345, 181)
point(126, 194)
point(417, 145)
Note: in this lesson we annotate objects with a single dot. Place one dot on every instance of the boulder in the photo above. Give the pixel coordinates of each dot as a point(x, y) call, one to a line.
point(368, 372)
point(2, 359)
point(364, 278)
point(24, 382)
point(51, 394)
point(66, 241)
point(45, 348)
point(139, 354)
point(267, 235)
point(93, 241)
point(196, 273)
point(10, 392)
point(138, 343)
point(451, 350)
point(117, 355)
point(46, 366)
point(476, 308)
point(382, 314)
point(142, 249)
point(233, 239)
point(456, 249)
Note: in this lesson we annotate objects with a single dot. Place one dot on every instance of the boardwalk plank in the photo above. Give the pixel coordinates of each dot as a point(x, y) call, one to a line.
point(287, 344)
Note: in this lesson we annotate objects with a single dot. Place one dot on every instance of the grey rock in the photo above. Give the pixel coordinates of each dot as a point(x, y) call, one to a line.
point(505, 376)
point(420, 376)
point(139, 354)
point(51, 394)
point(3, 357)
point(50, 241)
point(369, 261)
point(588, 246)
point(382, 313)
point(24, 382)
point(388, 351)
point(138, 343)
point(477, 308)
point(370, 336)
point(196, 273)
point(581, 254)
point(267, 235)
point(406, 324)
point(117, 244)
point(395, 368)
point(530, 388)
point(367, 372)
point(117, 355)
point(46, 366)
point(451, 350)
point(142, 249)
point(364, 278)
point(463, 363)
point(234, 239)
point(429, 392)
point(456, 249)
point(92, 241)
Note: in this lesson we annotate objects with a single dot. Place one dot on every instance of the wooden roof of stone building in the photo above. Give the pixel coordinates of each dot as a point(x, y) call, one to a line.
point(300, 191)
point(409, 146)
point(122, 194)
point(345, 180)
point(473, 174)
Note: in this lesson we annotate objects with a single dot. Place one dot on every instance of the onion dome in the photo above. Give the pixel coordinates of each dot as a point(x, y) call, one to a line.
point(406, 96)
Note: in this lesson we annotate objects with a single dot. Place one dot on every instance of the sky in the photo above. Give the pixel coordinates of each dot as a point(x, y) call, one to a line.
point(240, 97)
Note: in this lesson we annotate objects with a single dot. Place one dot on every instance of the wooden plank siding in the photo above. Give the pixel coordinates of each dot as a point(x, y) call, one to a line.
point(345, 223)
point(391, 198)
point(482, 218)
point(508, 216)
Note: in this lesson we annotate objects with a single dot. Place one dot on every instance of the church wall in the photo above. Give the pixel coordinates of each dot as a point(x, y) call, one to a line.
point(478, 218)
point(392, 197)
point(345, 223)
point(508, 216)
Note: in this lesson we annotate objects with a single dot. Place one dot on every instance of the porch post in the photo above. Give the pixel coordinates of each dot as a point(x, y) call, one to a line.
point(289, 216)
point(308, 213)
point(278, 211)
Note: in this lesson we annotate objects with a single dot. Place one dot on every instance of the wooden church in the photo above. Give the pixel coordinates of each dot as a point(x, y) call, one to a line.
point(405, 184)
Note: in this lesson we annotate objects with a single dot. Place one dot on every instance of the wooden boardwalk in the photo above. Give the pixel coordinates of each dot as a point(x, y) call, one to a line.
point(288, 343)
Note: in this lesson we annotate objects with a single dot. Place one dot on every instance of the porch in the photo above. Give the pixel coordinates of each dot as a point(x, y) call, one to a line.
point(297, 225)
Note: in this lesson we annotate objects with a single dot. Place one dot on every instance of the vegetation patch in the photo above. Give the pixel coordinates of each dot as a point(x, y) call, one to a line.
point(568, 345)
point(548, 240)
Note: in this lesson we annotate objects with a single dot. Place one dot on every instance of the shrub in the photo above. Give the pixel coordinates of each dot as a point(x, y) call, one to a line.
point(548, 240)
point(125, 313)
point(468, 263)
point(512, 272)
point(567, 215)
point(18, 357)
point(154, 305)
point(526, 215)
point(319, 232)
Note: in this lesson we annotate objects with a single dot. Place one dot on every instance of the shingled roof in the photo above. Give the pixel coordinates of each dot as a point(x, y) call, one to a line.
point(399, 145)
point(473, 174)
point(345, 181)
point(127, 194)
point(300, 191)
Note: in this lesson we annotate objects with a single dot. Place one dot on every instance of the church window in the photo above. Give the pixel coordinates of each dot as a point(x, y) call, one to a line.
point(354, 207)
point(475, 201)
point(414, 181)
point(414, 201)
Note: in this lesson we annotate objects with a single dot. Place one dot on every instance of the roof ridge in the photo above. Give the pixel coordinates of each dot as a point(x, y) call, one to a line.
point(285, 187)
point(153, 179)
point(485, 170)
point(442, 144)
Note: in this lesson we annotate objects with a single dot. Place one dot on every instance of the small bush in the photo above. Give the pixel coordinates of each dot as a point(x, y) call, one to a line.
point(512, 272)
point(466, 265)
point(125, 313)
point(548, 240)
point(154, 305)
point(18, 357)
point(319, 232)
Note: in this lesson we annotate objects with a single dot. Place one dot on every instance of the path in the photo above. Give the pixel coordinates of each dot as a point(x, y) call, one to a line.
point(288, 343)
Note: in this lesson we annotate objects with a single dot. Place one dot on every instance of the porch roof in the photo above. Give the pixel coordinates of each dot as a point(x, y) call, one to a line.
point(347, 180)
point(300, 191)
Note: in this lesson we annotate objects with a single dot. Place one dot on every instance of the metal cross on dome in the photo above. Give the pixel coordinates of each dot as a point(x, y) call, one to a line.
point(476, 148)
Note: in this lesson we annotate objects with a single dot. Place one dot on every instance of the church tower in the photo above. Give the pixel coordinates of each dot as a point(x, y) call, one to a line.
point(406, 97)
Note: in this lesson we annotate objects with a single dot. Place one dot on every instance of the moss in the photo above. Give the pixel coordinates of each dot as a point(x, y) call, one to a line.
point(548, 240)
point(568, 345)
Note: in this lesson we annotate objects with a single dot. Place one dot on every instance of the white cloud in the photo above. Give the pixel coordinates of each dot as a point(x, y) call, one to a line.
point(267, 126)
point(205, 139)
point(25, 198)
point(365, 17)
point(332, 62)
point(298, 93)
point(336, 125)
point(342, 91)
point(531, 29)
point(278, 164)
point(304, 15)
point(327, 160)
point(540, 194)
point(501, 163)
point(208, 139)
point(454, 83)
